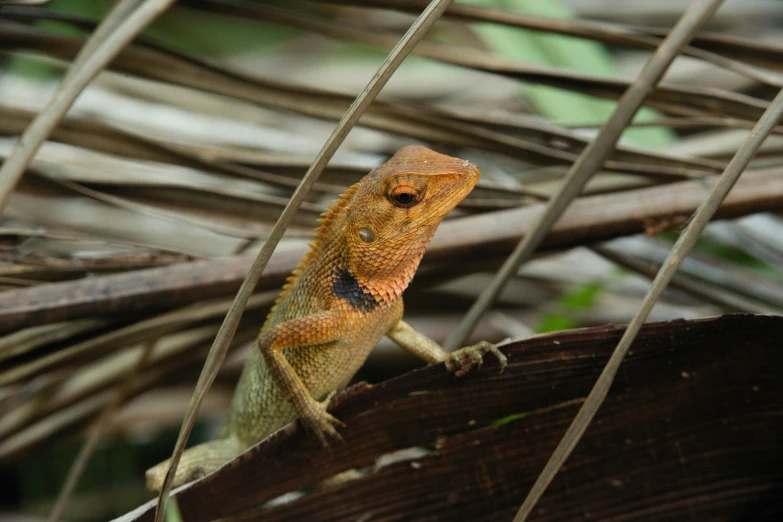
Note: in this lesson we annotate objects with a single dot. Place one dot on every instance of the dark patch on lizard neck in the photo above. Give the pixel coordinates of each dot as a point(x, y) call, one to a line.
point(345, 286)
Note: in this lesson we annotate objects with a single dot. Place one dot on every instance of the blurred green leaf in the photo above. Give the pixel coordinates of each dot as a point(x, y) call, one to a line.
point(583, 296)
point(553, 322)
point(735, 256)
point(563, 107)
point(510, 418)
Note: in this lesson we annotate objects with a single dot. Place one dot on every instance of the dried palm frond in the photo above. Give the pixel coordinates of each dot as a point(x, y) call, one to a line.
point(140, 215)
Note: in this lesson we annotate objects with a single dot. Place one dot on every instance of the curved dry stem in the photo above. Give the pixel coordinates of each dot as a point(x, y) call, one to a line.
point(88, 448)
point(643, 267)
point(680, 251)
point(218, 351)
point(118, 29)
point(610, 33)
point(591, 159)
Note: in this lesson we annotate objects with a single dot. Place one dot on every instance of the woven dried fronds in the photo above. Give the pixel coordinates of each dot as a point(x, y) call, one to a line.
point(138, 218)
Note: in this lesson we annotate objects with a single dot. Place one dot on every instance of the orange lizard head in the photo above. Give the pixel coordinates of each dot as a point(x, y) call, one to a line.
point(395, 210)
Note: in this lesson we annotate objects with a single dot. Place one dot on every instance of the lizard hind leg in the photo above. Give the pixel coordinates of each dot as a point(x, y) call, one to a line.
point(195, 462)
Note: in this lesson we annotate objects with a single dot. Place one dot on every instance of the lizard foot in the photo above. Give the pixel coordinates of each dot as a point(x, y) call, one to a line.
point(465, 359)
point(321, 423)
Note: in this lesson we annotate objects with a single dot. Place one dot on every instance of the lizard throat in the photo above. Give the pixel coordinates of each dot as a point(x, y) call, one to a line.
point(364, 295)
point(358, 296)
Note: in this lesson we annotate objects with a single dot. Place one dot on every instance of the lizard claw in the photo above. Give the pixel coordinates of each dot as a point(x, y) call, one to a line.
point(321, 423)
point(465, 359)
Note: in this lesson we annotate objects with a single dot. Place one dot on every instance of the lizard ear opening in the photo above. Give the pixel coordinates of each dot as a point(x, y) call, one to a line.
point(367, 235)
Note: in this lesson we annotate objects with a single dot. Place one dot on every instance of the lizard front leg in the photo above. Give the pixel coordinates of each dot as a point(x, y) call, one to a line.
point(458, 362)
point(310, 331)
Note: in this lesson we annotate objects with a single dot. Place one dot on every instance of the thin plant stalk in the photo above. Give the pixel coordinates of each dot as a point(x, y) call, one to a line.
point(679, 252)
point(226, 333)
point(103, 422)
point(116, 31)
point(591, 159)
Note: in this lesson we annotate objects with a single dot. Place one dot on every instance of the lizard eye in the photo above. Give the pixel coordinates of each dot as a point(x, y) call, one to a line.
point(403, 197)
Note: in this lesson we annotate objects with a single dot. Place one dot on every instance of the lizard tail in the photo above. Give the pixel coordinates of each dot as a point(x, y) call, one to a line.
point(195, 462)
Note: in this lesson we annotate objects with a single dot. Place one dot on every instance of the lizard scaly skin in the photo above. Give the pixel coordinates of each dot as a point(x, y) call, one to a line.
point(344, 296)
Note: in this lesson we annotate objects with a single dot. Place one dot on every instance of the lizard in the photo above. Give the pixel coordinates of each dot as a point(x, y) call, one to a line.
point(345, 295)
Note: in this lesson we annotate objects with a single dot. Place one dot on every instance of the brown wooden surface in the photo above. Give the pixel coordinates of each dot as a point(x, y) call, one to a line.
point(692, 430)
point(587, 220)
